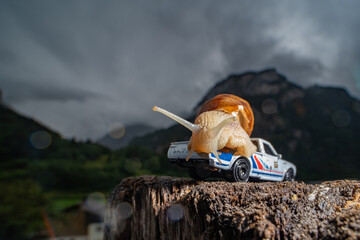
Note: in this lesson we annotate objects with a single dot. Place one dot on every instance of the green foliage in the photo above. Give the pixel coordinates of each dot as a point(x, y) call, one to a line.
point(21, 205)
point(104, 172)
point(153, 164)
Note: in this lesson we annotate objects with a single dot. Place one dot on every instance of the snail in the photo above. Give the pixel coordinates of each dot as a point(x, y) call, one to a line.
point(225, 121)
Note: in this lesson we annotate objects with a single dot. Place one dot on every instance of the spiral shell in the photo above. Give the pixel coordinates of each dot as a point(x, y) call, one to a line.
point(234, 105)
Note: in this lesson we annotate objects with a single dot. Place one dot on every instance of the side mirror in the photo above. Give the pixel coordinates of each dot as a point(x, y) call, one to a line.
point(279, 156)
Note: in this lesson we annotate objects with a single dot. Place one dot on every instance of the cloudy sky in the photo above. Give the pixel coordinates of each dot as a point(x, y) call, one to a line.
point(79, 66)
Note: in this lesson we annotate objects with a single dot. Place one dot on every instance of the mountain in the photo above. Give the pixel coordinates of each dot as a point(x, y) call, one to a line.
point(23, 137)
point(131, 131)
point(317, 128)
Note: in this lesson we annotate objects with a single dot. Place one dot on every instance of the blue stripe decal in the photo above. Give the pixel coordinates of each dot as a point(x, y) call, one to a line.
point(223, 156)
point(266, 166)
point(253, 162)
point(268, 174)
point(222, 164)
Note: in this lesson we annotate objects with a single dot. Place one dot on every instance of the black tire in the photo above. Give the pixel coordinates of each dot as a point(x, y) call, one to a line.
point(289, 175)
point(241, 170)
point(199, 173)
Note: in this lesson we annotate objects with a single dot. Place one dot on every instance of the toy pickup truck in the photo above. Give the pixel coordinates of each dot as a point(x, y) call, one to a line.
point(265, 164)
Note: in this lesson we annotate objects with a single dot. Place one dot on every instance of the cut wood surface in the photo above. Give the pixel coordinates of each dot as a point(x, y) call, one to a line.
point(150, 207)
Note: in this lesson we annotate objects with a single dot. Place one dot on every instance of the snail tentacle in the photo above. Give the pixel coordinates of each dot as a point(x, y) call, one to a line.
point(192, 127)
point(190, 153)
point(217, 156)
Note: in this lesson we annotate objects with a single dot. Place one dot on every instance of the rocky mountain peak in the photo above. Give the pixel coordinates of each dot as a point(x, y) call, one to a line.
point(254, 84)
point(324, 93)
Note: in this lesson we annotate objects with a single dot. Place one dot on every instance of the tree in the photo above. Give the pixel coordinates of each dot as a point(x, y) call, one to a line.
point(21, 204)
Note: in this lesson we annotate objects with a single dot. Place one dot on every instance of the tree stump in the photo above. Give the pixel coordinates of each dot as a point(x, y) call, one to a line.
point(150, 207)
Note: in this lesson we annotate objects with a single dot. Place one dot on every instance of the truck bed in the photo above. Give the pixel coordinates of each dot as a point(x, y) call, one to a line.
point(179, 150)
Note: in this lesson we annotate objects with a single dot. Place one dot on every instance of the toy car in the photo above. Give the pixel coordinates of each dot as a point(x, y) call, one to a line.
point(265, 164)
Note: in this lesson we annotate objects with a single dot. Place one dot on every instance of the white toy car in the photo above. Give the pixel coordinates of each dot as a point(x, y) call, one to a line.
point(265, 164)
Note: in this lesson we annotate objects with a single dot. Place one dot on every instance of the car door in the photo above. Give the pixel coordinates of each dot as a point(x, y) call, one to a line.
point(262, 164)
point(271, 159)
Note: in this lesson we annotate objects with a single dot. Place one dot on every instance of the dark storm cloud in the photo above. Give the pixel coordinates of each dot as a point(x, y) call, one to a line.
point(105, 61)
point(307, 41)
point(260, 52)
point(62, 31)
point(32, 90)
point(7, 56)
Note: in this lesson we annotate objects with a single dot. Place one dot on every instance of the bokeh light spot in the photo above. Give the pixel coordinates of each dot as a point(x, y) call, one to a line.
point(96, 201)
point(175, 212)
point(341, 118)
point(116, 130)
point(269, 106)
point(40, 139)
point(123, 211)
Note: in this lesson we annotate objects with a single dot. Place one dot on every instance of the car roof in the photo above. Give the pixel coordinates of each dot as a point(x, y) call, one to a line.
point(256, 139)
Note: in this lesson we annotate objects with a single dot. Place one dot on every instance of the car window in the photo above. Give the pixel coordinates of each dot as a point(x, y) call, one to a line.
point(268, 149)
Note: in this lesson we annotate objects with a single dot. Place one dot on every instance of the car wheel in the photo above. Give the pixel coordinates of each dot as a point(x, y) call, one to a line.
point(199, 173)
point(289, 175)
point(241, 170)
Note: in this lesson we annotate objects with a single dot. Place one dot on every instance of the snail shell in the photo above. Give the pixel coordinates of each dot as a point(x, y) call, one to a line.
point(234, 105)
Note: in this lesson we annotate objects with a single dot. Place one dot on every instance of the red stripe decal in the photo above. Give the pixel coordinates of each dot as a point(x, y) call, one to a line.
point(273, 171)
point(258, 163)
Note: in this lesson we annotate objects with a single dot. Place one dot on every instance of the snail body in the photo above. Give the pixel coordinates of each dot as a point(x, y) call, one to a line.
point(219, 126)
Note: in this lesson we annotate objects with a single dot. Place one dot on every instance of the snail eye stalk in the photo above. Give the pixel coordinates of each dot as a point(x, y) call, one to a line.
point(192, 127)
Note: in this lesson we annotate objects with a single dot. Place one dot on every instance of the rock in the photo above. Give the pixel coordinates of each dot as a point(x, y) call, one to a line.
point(152, 207)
